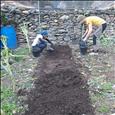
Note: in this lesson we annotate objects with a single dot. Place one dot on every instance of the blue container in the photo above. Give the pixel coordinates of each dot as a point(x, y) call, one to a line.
point(10, 33)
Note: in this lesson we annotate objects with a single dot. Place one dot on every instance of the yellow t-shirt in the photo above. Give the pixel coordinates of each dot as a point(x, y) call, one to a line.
point(94, 20)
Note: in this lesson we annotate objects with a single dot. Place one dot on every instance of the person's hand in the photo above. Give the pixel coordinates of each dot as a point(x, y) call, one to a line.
point(84, 39)
point(50, 48)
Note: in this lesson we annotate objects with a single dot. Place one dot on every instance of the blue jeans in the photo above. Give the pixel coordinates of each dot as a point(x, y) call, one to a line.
point(42, 45)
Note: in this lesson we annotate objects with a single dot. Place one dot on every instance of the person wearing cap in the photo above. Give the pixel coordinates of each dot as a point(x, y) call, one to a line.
point(90, 22)
point(40, 42)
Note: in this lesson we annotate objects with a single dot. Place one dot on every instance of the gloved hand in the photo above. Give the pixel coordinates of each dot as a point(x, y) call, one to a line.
point(51, 44)
point(50, 47)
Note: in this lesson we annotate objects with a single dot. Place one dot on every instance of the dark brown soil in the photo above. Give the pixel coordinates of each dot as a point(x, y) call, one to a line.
point(60, 89)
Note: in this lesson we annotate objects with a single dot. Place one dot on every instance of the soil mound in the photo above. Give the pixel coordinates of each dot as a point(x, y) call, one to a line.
point(59, 88)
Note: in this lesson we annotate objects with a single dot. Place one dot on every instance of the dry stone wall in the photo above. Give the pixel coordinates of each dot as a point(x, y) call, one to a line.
point(62, 25)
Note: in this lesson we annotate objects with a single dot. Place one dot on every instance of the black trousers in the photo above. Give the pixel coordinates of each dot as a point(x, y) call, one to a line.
point(103, 28)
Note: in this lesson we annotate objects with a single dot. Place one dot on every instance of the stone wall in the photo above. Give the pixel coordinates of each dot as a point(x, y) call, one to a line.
point(62, 25)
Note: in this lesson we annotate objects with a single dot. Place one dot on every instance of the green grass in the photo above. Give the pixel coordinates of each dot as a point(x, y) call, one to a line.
point(3, 73)
point(24, 29)
point(8, 101)
point(95, 97)
point(106, 87)
point(8, 108)
point(103, 109)
point(105, 41)
point(8, 96)
point(23, 52)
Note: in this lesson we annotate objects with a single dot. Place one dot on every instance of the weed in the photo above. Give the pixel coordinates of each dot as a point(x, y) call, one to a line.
point(22, 51)
point(24, 29)
point(8, 96)
point(8, 104)
point(107, 86)
point(6, 55)
point(103, 109)
point(94, 98)
point(5, 61)
point(105, 41)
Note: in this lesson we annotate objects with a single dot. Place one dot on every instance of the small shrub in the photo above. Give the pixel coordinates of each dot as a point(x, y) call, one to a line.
point(8, 103)
point(104, 109)
point(105, 41)
point(106, 86)
point(23, 52)
point(24, 29)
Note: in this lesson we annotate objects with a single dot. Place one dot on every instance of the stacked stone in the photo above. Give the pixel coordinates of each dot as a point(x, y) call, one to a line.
point(62, 25)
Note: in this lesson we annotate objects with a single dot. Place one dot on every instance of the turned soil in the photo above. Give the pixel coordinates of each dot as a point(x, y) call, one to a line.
point(60, 88)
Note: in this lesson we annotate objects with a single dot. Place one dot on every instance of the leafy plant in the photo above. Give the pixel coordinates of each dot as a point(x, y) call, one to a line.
point(103, 109)
point(24, 29)
point(8, 103)
point(105, 41)
point(99, 85)
point(3, 19)
point(22, 51)
point(106, 86)
point(6, 21)
point(6, 54)
point(8, 97)
point(5, 61)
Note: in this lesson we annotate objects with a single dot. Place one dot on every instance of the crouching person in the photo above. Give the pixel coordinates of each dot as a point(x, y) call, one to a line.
point(40, 43)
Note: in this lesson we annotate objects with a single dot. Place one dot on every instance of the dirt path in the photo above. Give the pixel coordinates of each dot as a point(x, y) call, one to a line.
point(59, 88)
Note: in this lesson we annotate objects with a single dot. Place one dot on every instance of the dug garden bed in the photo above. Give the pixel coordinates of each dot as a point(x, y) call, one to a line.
point(60, 88)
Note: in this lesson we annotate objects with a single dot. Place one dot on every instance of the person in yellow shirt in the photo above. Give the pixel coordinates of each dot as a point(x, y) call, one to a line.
point(90, 22)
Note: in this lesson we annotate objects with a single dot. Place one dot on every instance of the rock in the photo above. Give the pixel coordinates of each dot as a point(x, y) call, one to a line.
point(44, 26)
point(54, 24)
point(66, 39)
point(46, 16)
point(25, 12)
point(56, 21)
point(4, 10)
point(56, 35)
point(113, 114)
point(52, 38)
point(62, 31)
point(32, 33)
point(113, 87)
point(31, 37)
point(61, 24)
point(64, 17)
point(20, 36)
point(92, 54)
